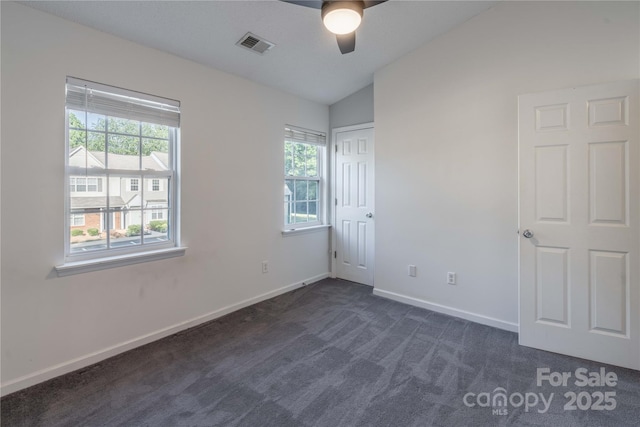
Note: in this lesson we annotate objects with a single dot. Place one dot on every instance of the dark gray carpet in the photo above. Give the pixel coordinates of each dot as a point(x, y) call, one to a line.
point(330, 354)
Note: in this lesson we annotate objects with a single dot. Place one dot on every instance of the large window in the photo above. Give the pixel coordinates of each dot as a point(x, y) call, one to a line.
point(121, 171)
point(303, 154)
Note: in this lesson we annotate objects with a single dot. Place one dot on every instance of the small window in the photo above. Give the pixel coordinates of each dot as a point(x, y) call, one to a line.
point(81, 185)
point(77, 220)
point(303, 155)
point(118, 141)
point(157, 213)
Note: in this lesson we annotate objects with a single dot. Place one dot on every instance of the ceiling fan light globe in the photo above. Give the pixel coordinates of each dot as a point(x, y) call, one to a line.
point(343, 20)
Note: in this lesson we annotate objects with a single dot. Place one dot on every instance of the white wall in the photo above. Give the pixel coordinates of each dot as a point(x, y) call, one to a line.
point(352, 110)
point(446, 145)
point(232, 208)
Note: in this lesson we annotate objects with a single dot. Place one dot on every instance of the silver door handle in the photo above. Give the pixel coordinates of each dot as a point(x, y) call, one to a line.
point(527, 233)
point(369, 215)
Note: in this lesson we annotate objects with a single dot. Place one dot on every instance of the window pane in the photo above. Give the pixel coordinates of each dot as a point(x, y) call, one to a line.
point(132, 228)
point(299, 160)
point(86, 193)
point(288, 190)
point(155, 154)
point(288, 213)
point(301, 190)
point(301, 212)
point(81, 185)
point(77, 138)
point(118, 125)
point(312, 160)
point(313, 211)
point(288, 158)
point(156, 191)
point(92, 185)
point(124, 152)
point(131, 224)
point(96, 144)
point(86, 232)
point(313, 190)
point(155, 131)
point(157, 225)
point(150, 145)
point(76, 119)
point(96, 121)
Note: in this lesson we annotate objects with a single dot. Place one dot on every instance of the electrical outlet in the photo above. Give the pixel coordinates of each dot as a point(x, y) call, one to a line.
point(451, 278)
point(265, 266)
point(412, 271)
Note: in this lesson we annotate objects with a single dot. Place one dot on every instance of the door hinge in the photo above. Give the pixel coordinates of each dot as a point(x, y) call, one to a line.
point(335, 254)
point(336, 201)
point(336, 148)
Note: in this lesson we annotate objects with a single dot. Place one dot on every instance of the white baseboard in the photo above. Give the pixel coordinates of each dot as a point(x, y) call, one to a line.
point(439, 308)
point(98, 356)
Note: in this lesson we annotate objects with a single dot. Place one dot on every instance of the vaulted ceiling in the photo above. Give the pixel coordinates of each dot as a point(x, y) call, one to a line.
point(305, 61)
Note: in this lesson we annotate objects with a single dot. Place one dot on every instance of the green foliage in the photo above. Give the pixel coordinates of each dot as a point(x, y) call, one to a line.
point(93, 232)
point(159, 225)
point(77, 232)
point(125, 136)
point(300, 159)
point(133, 230)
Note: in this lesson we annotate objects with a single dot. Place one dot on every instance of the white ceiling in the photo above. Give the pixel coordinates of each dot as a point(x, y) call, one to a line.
point(306, 60)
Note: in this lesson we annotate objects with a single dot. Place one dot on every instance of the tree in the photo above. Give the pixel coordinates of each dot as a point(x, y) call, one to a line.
point(127, 137)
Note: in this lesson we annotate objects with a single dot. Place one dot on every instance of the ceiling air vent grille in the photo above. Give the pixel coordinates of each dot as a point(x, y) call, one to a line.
point(255, 43)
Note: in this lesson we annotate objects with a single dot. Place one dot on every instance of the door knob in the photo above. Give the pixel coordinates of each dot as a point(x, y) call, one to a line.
point(527, 233)
point(369, 215)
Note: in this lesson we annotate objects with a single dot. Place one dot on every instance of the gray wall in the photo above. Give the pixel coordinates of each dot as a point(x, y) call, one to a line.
point(354, 109)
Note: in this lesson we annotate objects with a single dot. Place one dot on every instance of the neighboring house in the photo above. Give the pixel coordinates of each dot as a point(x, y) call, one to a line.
point(131, 198)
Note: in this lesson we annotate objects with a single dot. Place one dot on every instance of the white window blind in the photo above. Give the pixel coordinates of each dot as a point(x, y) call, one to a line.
point(305, 136)
point(112, 101)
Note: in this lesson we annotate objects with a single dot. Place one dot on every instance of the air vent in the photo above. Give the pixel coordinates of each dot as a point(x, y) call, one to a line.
point(255, 43)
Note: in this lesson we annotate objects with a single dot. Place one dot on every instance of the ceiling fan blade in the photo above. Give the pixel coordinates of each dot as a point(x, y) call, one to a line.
point(370, 3)
point(315, 4)
point(346, 42)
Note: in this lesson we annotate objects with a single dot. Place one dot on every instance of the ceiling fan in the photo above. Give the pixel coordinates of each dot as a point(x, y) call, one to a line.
point(341, 17)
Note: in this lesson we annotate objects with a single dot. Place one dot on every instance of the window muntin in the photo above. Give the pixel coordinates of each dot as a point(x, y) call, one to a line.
point(303, 154)
point(115, 143)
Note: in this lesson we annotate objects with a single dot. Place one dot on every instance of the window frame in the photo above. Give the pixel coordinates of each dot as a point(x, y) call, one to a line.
point(297, 135)
point(78, 262)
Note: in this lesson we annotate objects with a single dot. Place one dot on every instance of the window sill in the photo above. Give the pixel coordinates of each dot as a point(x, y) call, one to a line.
point(305, 230)
point(87, 266)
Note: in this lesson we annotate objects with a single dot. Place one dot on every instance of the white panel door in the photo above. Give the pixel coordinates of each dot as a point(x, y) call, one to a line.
point(354, 192)
point(580, 223)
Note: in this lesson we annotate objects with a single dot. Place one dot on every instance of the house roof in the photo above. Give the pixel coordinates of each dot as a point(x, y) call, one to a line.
point(96, 202)
point(156, 161)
